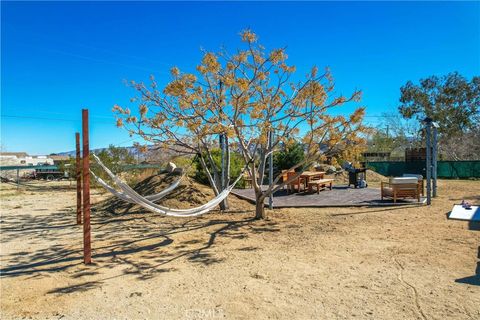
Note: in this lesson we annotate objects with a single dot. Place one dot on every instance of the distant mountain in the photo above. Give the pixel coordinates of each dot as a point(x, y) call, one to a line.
point(131, 149)
point(153, 155)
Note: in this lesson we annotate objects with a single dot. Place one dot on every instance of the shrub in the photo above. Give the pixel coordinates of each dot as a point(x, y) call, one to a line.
point(236, 167)
point(288, 157)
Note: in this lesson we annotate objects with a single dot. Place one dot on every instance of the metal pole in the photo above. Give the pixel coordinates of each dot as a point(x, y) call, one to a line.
point(434, 161)
point(223, 171)
point(87, 250)
point(222, 153)
point(228, 160)
point(270, 169)
point(78, 172)
point(429, 162)
point(18, 178)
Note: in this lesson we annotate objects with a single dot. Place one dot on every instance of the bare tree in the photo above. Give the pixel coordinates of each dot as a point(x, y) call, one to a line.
point(246, 96)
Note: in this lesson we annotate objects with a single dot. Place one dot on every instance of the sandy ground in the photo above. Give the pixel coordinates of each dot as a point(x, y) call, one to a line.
point(342, 263)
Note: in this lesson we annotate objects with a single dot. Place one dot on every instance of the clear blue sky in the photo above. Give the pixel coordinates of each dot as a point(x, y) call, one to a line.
point(59, 57)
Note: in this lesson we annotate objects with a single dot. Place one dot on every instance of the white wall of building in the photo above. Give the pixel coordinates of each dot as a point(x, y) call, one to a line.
point(12, 160)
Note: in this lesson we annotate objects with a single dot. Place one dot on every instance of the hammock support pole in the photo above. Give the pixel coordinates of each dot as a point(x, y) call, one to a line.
point(87, 250)
point(78, 172)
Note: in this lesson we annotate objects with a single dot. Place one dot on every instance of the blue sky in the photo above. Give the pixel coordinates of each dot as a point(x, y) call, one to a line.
point(59, 57)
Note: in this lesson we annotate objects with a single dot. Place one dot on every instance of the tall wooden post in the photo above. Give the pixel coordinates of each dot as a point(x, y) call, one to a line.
point(78, 172)
point(87, 250)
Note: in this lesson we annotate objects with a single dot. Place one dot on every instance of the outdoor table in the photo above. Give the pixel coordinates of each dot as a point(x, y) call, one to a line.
point(307, 175)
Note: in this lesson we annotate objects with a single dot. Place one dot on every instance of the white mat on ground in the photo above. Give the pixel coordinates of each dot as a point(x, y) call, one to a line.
point(460, 213)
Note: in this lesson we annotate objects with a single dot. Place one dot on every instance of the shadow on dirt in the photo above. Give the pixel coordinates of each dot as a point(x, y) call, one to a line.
point(475, 279)
point(41, 186)
point(144, 244)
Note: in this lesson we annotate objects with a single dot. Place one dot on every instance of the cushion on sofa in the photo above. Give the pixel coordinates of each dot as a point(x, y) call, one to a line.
point(403, 180)
point(410, 175)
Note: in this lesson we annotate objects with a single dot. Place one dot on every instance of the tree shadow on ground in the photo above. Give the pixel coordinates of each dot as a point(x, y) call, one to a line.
point(475, 198)
point(475, 279)
point(368, 210)
point(144, 245)
point(474, 225)
point(41, 186)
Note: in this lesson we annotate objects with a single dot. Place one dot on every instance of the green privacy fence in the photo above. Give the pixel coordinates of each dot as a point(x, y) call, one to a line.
point(445, 169)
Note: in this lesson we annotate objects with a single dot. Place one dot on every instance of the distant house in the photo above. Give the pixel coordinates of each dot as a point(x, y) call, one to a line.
point(21, 159)
point(376, 156)
point(58, 159)
point(14, 154)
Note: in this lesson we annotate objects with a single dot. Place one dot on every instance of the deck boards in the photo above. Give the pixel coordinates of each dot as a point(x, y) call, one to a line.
point(339, 196)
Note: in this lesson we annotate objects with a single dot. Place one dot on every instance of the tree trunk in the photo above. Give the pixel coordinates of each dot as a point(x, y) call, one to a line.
point(211, 179)
point(225, 165)
point(224, 205)
point(260, 206)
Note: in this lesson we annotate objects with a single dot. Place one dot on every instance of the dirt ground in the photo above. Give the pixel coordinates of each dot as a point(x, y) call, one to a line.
point(329, 263)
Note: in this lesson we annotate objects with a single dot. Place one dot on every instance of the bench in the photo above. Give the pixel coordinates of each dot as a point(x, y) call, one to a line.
point(320, 183)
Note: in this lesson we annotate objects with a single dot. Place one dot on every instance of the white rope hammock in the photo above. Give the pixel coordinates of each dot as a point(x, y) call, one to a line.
point(124, 197)
point(149, 205)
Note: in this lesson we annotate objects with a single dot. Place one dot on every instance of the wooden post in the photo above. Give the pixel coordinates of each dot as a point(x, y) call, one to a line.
point(78, 172)
point(87, 250)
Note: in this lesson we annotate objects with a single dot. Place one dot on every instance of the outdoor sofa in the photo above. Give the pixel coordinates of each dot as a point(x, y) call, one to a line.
point(401, 188)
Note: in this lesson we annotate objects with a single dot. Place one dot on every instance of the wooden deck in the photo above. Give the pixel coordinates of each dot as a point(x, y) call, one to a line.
point(339, 196)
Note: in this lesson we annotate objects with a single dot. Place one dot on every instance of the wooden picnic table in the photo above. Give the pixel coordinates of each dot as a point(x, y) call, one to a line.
point(307, 175)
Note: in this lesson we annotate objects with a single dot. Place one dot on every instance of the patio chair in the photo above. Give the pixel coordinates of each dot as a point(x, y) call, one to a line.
point(401, 187)
point(285, 178)
point(247, 179)
point(295, 184)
